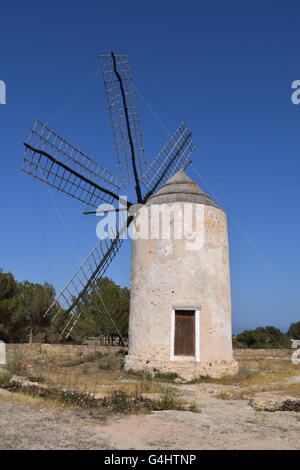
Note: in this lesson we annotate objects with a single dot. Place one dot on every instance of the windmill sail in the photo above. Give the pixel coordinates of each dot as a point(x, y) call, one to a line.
point(67, 308)
point(123, 111)
point(54, 161)
point(173, 156)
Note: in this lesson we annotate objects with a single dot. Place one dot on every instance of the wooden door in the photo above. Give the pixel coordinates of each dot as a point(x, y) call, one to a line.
point(184, 333)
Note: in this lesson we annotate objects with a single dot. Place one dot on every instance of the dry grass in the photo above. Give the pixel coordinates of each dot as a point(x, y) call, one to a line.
point(263, 372)
point(84, 372)
point(100, 372)
point(77, 379)
point(264, 353)
point(27, 399)
point(263, 375)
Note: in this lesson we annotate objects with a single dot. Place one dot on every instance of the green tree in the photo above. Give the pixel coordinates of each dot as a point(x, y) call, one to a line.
point(12, 315)
point(24, 304)
point(36, 300)
point(22, 309)
point(107, 299)
point(265, 337)
point(294, 330)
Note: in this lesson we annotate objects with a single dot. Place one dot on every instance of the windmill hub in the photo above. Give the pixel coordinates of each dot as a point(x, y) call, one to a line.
point(180, 312)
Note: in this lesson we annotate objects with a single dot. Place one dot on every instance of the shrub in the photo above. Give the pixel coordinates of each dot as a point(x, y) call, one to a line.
point(294, 330)
point(170, 400)
point(193, 407)
point(165, 376)
point(264, 337)
point(200, 379)
point(143, 374)
point(5, 377)
point(15, 363)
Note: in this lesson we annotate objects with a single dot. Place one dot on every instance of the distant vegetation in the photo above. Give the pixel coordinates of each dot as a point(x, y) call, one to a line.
point(23, 305)
point(267, 337)
point(108, 300)
point(294, 330)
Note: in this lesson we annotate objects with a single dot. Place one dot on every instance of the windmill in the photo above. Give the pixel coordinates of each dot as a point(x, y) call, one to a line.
point(52, 160)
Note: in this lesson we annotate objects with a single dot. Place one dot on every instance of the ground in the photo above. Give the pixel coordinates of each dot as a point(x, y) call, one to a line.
point(224, 420)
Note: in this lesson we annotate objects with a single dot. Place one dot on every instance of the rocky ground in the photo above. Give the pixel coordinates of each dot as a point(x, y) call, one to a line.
point(240, 412)
point(219, 424)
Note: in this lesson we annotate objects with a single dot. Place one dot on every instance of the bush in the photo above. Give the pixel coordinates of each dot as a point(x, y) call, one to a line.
point(165, 376)
point(201, 379)
point(143, 374)
point(5, 377)
point(14, 364)
point(265, 337)
point(118, 402)
point(170, 400)
point(294, 330)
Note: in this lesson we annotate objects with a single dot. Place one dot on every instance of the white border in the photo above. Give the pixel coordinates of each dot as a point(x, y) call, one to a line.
point(197, 334)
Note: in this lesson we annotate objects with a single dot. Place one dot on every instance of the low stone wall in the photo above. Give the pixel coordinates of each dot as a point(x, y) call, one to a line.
point(240, 353)
point(63, 348)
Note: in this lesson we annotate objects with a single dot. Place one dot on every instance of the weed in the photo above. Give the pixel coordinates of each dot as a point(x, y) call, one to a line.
point(165, 376)
point(118, 402)
point(170, 400)
point(5, 377)
point(193, 407)
point(291, 405)
point(143, 374)
point(15, 362)
point(201, 379)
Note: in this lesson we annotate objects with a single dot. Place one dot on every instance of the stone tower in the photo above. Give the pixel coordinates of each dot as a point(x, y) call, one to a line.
point(180, 308)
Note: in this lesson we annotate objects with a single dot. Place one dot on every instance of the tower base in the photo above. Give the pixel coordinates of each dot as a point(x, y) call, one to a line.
point(186, 368)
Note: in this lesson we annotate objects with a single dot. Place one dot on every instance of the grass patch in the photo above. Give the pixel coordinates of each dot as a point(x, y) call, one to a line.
point(193, 407)
point(165, 376)
point(5, 377)
point(170, 400)
point(14, 366)
point(202, 379)
point(100, 372)
point(111, 362)
point(142, 374)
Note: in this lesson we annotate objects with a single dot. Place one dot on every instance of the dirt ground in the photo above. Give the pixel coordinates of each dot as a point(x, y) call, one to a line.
point(221, 424)
point(225, 419)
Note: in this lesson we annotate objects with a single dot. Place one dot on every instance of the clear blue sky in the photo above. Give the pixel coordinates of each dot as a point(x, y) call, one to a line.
point(225, 68)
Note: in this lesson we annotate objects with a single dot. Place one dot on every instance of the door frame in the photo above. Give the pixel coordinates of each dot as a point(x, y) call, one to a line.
point(197, 334)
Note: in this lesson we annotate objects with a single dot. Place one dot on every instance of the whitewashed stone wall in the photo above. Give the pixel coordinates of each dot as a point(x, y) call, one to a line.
point(166, 275)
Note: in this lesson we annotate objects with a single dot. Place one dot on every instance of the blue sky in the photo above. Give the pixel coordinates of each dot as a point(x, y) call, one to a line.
point(225, 68)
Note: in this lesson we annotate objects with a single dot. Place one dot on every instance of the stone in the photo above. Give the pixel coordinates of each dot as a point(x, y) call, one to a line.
point(185, 273)
point(272, 404)
point(265, 404)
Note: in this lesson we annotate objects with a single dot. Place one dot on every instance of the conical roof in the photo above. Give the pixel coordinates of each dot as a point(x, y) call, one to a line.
point(180, 188)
